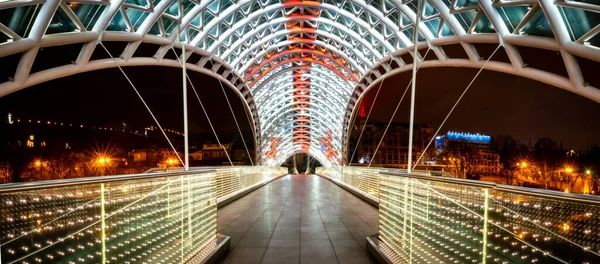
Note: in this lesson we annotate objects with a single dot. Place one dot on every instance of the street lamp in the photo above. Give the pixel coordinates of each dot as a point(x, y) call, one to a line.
point(568, 169)
point(588, 172)
point(38, 164)
point(101, 162)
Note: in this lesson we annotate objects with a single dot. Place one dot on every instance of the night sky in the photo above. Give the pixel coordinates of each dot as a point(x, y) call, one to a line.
point(497, 103)
point(105, 98)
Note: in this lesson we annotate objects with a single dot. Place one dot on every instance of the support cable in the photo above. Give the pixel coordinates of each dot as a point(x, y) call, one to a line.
point(456, 103)
point(204, 110)
point(395, 111)
point(186, 135)
point(209, 122)
point(366, 120)
point(144, 102)
point(413, 90)
point(236, 122)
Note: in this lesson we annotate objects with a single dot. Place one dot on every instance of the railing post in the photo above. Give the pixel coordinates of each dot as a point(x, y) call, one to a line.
point(412, 201)
point(181, 195)
point(405, 212)
point(485, 224)
point(427, 204)
point(189, 207)
point(102, 223)
point(168, 197)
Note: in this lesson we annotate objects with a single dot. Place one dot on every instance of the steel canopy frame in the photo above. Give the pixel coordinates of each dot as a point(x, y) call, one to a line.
point(259, 41)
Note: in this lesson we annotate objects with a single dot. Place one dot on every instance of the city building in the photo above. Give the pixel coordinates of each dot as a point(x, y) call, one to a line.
point(394, 147)
point(153, 157)
point(474, 148)
point(216, 151)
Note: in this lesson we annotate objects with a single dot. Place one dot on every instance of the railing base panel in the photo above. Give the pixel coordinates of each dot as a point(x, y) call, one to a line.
point(221, 249)
point(378, 250)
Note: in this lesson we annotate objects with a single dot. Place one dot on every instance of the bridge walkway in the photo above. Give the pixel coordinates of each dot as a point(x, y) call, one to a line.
point(298, 219)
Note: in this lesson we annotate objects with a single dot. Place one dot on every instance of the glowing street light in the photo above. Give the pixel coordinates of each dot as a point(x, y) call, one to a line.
point(38, 164)
point(588, 172)
point(102, 160)
point(568, 169)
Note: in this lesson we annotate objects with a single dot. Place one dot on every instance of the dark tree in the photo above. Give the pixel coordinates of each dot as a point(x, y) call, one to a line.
point(549, 158)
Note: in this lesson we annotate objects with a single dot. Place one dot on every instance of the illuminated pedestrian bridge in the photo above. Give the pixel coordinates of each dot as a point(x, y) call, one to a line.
point(193, 217)
point(301, 68)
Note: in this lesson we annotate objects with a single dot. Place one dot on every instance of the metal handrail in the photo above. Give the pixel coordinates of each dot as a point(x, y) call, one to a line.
point(576, 197)
point(27, 186)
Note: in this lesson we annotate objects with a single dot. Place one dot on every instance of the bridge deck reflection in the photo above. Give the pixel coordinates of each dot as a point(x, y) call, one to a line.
point(298, 219)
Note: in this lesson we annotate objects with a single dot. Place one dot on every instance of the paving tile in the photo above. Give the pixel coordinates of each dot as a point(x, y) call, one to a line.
point(291, 252)
point(315, 260)
point(247, 242)
point(302, 219)
point(294, 260)
point(284, 243)
point(356, 260)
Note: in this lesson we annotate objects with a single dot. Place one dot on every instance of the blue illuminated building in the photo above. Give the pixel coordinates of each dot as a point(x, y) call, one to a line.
point(442, 141)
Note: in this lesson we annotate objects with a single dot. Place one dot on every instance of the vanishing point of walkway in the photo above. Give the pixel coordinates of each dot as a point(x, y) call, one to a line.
point(298, 219)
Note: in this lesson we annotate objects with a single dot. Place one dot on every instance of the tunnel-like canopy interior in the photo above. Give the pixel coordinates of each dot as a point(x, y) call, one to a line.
point(301, 66)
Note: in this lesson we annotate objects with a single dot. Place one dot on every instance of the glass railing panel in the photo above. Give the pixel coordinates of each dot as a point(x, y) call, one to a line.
point(168, 218)
point(50, 225)
point(230, 180)
point(366, 179)
point(423, 221)
point(532, 228)
point(431, 219)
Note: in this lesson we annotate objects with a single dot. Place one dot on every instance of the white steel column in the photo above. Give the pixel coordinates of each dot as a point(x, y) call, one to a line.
point(186, 136)
point(414, 84)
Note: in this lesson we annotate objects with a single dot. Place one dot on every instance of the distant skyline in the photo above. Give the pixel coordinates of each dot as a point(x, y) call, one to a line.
point(497, 103)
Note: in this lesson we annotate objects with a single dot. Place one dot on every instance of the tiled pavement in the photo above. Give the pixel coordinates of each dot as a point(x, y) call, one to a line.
point(298, 219)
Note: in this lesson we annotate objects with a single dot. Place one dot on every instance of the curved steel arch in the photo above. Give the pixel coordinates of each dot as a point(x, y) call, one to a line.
point(292, 68)
point(329, 67)
point(295, 51)
point(366, 34)
point(277, 80)
point(319, 32)
point(312, 4)
point(277, 90)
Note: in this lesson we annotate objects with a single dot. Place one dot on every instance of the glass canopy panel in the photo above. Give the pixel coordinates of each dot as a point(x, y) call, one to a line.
point(117, 23)
point(466, 3)
point(579, 21)
point(155, 29)
point(484, 25)
point(410, 35)
point(465, 19)
point(61, 23)
point(173, 9)
point(169, 25)
point(88, 14)
point(433, 25)
point(538, 25)
point(446, 30)
point(136, 17)
point(20, 19)
point(137, 2)
point(512, 15)
point(429, 10)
